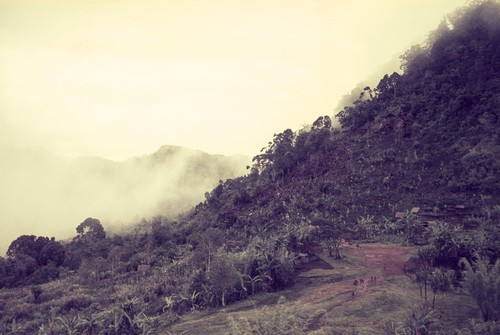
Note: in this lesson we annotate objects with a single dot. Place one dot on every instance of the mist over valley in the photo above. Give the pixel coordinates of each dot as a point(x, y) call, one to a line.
point(44, 194)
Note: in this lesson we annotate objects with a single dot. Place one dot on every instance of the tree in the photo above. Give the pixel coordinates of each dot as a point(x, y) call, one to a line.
point(278, 158)
point(420, 320)
point(273, 262)
point(414, 58)
point(322, 122)
point(24, 244)
point(366, 225)
point(387, 86)
point(19, 269)
point(208, 243)
point(440, 281)
point(411, 226)
point(52, 252)
point(91, 239)
point(447, 243)
point(114, 258)
point(29, 245)
point(422, 266)
point(33, 260)
point(223, 275)
point(90, 229)
point(331, 232)
point(482, 281)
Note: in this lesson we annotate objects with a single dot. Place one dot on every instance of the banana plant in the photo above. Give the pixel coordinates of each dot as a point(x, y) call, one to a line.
point(69, 324)
point(91, 324)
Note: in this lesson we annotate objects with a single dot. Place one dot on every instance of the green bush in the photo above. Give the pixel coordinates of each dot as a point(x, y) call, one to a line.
point(478, 327)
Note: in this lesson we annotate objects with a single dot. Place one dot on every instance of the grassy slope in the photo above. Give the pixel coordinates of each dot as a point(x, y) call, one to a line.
point(323, 295)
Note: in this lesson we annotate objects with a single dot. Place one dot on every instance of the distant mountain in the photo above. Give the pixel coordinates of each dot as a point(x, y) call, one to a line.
point(426, 138)
point(167, 182)
point(44, 194)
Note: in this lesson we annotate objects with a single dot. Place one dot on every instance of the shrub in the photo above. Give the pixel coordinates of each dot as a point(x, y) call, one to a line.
point(36, 291)
point(79, 302)
point(279, 320)
point(478, 327)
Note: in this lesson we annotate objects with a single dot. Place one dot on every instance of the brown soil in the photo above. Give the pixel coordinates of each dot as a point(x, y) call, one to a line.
point(370, 263)
point(328, 283)
point(389, 260)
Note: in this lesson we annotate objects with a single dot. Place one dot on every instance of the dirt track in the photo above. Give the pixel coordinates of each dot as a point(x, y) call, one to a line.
point(368, 264)
point(324, 285)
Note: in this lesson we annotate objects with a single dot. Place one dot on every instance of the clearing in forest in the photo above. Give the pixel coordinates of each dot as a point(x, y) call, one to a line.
point(326, 295)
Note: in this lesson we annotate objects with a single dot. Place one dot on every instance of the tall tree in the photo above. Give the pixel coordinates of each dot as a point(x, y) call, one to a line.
point(90, 229)
point(223, 275)
point(331, 232)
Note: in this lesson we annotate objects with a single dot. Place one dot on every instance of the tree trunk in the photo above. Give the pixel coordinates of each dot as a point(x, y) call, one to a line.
point(337, 251)
point(208, 260)
point(425, 291)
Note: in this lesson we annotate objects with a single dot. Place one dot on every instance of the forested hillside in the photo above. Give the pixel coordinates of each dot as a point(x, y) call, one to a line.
point(425, 138)
point(412, 170)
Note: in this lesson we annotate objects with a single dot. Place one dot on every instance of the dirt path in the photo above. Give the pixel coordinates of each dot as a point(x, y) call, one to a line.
point(324, 284)
point(365, 268)
point(385, 259)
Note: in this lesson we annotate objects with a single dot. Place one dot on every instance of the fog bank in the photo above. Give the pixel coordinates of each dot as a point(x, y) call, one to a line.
point(42, 194)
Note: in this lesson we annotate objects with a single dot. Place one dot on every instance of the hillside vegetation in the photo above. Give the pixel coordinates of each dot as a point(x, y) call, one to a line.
point(388, 224)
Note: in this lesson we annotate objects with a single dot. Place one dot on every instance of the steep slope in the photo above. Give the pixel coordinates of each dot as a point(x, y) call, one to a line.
point(427, 138)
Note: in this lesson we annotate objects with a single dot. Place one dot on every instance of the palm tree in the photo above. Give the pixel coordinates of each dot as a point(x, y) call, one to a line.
point(425, 263)
point(439, 281)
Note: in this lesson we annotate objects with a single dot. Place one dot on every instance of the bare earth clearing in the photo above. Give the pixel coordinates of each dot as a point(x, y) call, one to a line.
point(371, 264)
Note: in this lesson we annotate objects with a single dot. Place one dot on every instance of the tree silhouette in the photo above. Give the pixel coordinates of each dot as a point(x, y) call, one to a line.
point(91, 229)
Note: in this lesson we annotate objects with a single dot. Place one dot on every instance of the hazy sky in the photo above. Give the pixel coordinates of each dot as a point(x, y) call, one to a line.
point(117, 78)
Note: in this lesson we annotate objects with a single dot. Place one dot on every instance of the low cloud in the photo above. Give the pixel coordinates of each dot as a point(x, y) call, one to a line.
point(42, 194)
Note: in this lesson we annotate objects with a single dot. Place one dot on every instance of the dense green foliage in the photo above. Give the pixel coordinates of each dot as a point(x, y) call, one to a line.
point(427, 138)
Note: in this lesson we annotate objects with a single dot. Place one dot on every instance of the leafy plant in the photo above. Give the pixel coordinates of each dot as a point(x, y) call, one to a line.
point(69, 324)
point(278, 320)
point(478, 327)
point(482, 281)
point(419, 321)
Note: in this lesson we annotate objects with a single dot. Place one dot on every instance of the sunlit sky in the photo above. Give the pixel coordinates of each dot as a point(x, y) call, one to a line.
point(118, 78)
